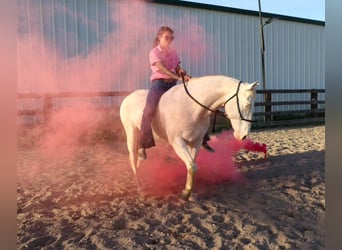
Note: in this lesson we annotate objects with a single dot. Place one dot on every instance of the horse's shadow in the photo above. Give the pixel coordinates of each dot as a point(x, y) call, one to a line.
point(284, 193)
point(293, 167)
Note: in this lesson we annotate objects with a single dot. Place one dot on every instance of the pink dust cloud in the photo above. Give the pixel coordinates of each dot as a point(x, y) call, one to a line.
point(65, 130)
point(164, 173)
point(114, 63)
point(123, 52)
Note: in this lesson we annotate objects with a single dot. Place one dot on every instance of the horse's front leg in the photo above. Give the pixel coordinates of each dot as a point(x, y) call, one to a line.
point(188, 157)
point(186, 192)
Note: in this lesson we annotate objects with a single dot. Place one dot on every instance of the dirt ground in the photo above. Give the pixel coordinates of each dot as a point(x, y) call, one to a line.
point(88, 199)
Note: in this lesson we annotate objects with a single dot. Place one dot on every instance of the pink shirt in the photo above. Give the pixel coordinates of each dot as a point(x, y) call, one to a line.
point(168, 57)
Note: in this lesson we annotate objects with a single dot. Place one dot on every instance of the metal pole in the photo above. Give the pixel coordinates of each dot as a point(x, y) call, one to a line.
point(262, 49)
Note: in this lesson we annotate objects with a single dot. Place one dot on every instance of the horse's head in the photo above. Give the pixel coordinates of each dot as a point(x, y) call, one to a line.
point(240, 109)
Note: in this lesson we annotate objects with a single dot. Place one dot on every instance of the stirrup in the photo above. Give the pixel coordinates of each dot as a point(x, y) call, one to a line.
point(142, 154)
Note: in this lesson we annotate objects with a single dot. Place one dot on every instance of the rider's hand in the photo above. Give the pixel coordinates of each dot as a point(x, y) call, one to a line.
point(183, 72)
point(187, 78)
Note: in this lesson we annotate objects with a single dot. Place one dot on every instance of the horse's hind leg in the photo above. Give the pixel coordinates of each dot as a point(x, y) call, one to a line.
point(132, 146)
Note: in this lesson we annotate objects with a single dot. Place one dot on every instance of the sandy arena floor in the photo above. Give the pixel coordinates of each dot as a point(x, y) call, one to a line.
point(88, 199)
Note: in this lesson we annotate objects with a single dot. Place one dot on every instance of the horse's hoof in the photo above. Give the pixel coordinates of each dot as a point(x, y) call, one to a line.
point(186, 194)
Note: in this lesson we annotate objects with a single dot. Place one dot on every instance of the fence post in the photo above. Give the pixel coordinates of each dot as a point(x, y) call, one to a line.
point(268, 106)
point(314, 98)
point(47, 108)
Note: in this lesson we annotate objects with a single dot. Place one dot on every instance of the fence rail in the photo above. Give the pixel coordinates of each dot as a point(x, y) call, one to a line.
point(47, 100)
point(289, 117)
point(266, 118)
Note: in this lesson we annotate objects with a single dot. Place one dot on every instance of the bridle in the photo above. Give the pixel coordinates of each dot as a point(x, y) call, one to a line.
point(218, 112)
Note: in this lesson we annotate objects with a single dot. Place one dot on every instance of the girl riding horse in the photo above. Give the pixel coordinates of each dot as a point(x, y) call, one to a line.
point(166, 71)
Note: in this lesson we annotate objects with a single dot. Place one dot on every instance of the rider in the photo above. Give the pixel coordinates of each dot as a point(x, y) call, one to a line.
point(166, 71)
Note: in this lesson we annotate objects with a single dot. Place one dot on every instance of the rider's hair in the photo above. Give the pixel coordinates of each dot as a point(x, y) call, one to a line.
point(161, 30)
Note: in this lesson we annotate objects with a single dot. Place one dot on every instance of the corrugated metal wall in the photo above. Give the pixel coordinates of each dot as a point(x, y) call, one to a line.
point(86, 45)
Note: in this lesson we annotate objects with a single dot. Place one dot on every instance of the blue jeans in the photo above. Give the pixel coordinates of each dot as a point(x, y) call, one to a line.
point(159, 87)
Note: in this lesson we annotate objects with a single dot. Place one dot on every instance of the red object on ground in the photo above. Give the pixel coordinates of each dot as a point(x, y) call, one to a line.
point(255, 146)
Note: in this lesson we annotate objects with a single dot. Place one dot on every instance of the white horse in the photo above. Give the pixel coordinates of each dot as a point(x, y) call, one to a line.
point(182, 122)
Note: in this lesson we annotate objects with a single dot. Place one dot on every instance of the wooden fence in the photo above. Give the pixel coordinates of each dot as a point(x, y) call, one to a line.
point(47, 101)
point(270, 117)
point(267, 118)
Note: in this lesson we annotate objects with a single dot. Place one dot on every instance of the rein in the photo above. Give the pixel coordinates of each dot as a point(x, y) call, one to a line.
point(218, 112)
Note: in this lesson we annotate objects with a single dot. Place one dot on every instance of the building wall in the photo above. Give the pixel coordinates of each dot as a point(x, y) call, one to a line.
point(85, 45)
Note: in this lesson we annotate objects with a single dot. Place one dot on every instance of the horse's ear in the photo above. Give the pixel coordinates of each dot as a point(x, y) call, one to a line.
point(253, 85)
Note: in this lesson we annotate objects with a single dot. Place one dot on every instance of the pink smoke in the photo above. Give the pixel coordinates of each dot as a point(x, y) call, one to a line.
point(123, 52)
point(115, 63)
point(163, 172)
point(66, 129)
